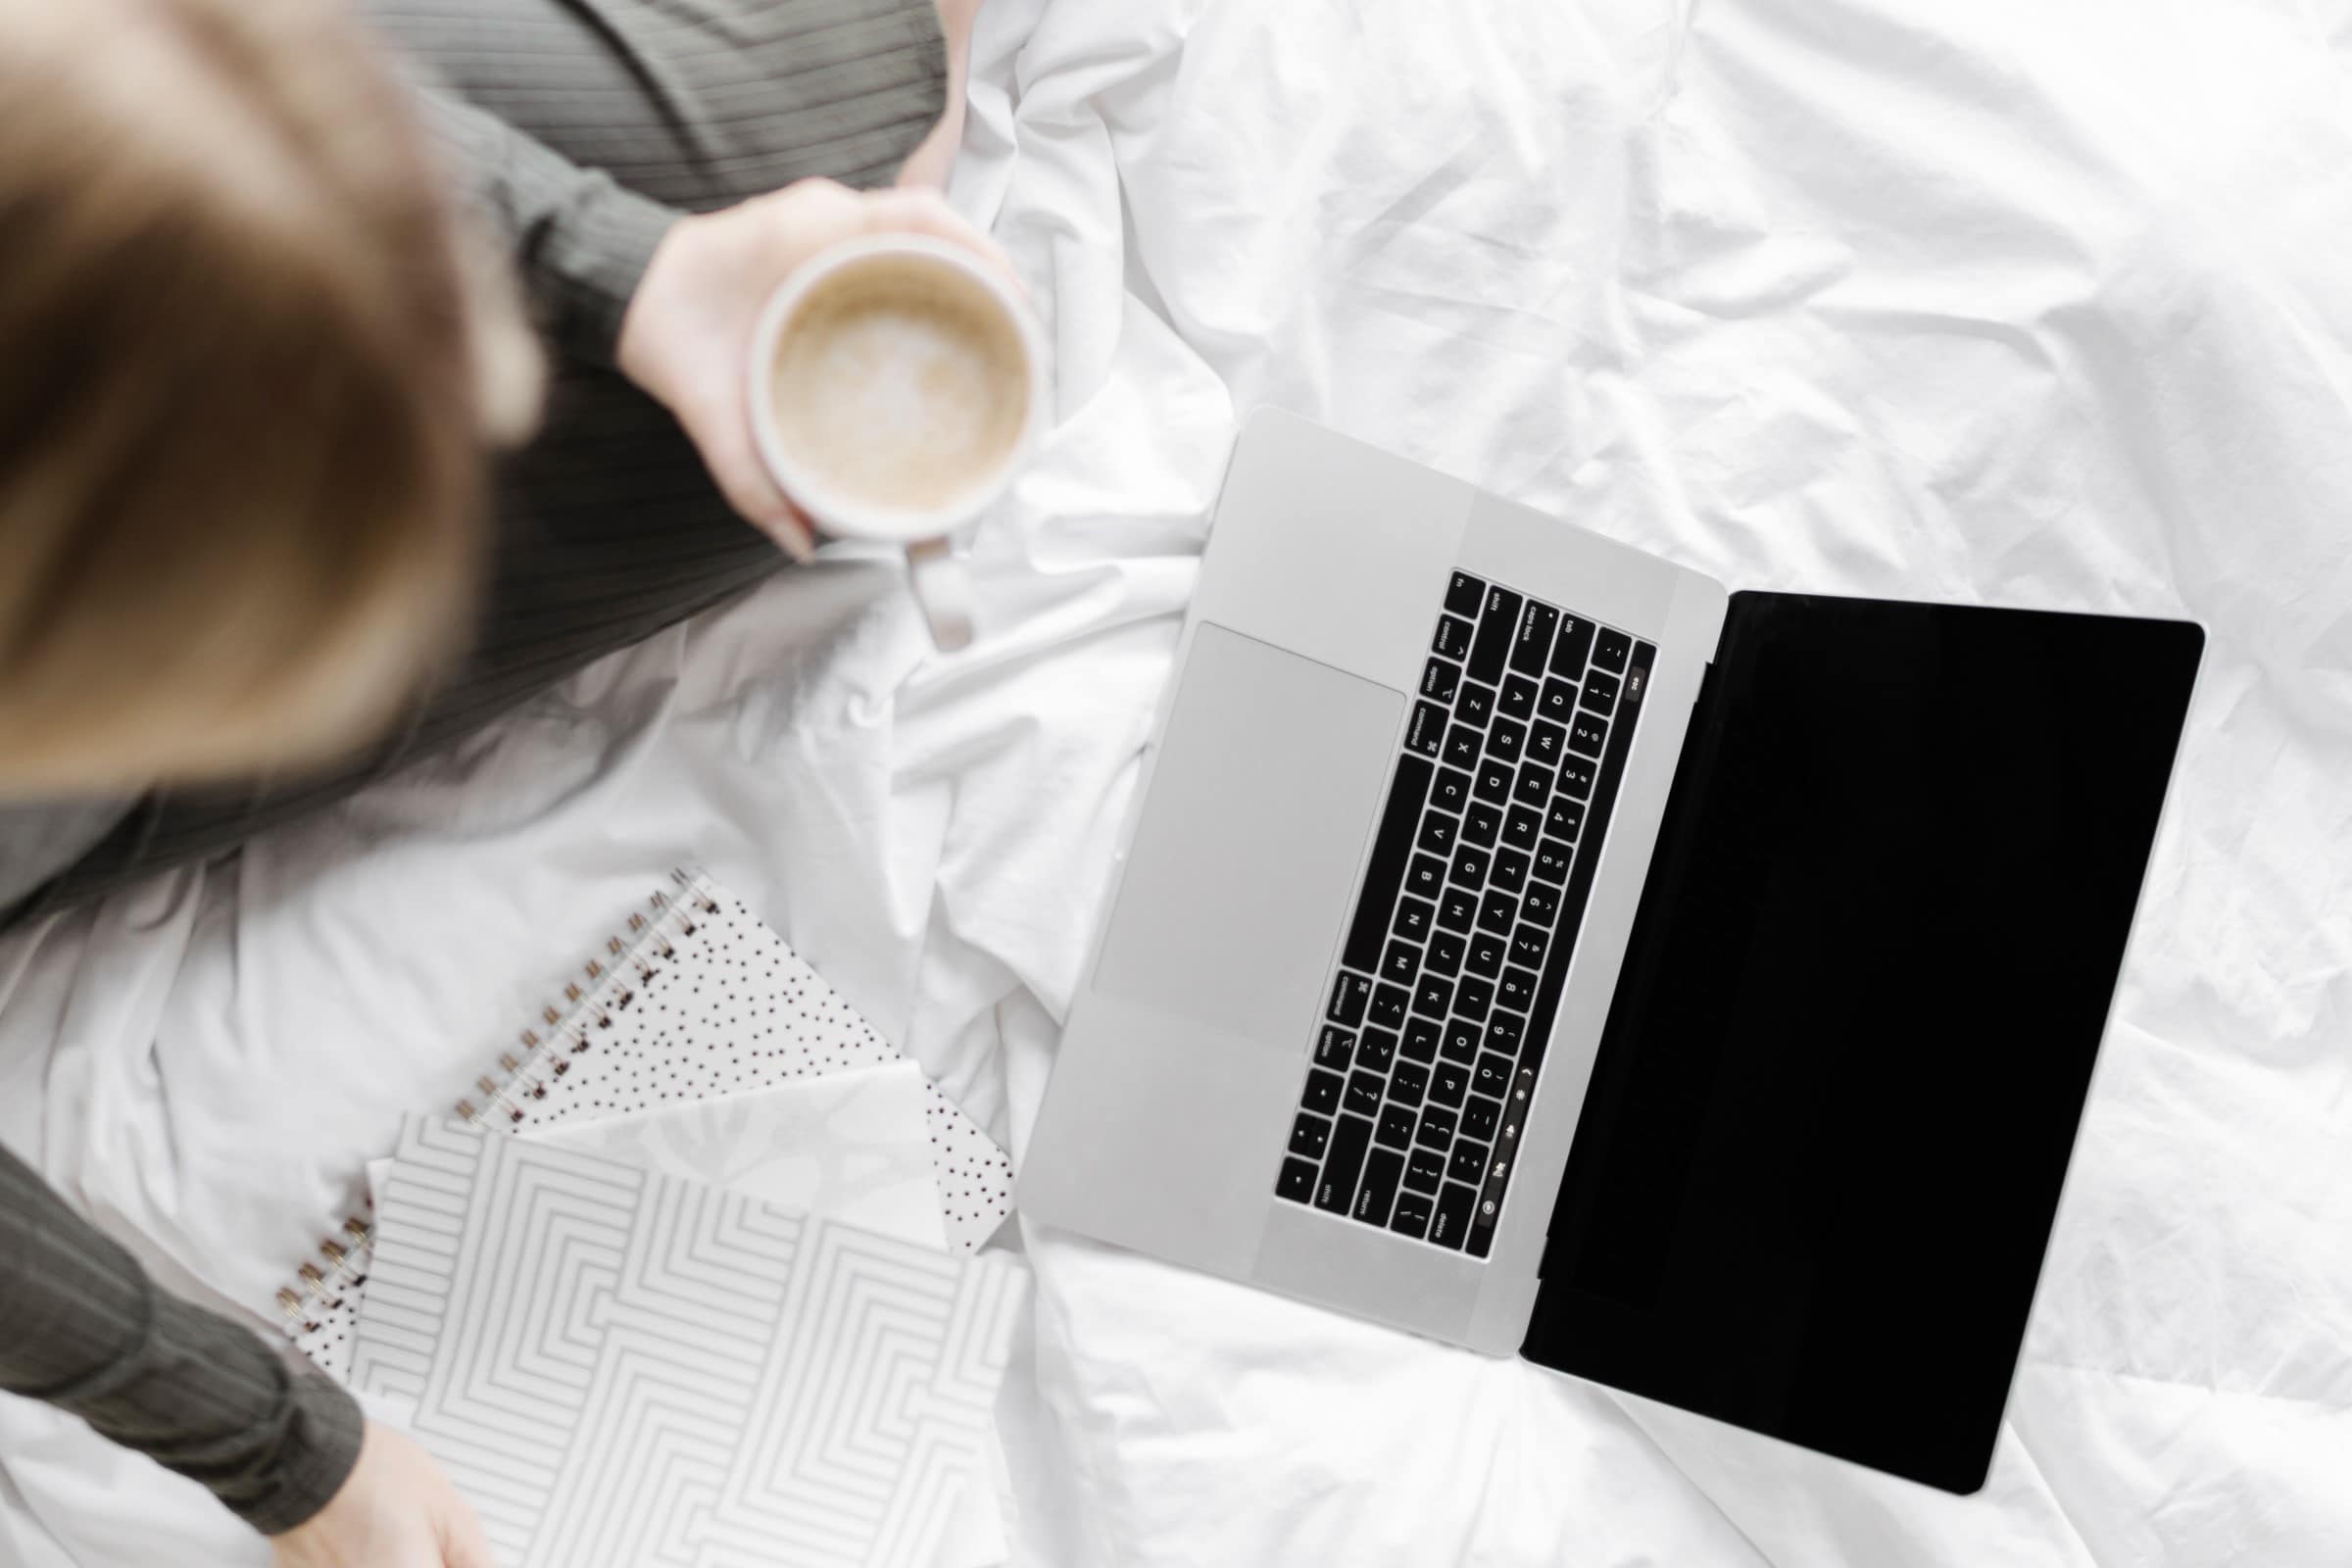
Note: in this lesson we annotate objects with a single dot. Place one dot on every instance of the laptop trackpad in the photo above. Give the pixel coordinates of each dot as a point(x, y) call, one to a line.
point(1241, 873)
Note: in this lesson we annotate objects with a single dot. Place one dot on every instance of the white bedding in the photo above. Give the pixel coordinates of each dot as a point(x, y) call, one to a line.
point(2032, 304)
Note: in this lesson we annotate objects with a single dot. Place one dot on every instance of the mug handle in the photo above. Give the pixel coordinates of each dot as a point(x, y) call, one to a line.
point(943, 587)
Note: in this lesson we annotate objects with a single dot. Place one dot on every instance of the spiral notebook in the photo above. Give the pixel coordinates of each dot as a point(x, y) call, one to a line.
point(621, 1367)
point(696, 1000)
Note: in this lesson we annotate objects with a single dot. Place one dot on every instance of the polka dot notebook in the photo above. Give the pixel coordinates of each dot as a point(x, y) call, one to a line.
point(696, 1000)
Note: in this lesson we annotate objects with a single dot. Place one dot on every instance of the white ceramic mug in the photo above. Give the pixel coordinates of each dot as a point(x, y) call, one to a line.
point(941, 585)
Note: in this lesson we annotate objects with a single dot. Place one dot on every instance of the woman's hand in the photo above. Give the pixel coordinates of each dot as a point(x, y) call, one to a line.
point(688, 330)
point(396, 1509)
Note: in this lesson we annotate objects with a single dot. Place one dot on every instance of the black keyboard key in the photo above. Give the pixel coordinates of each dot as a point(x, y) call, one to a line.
point(1463, 746)
point(1298, 1182)
point(1516, 988)
point(1408, 1084)
point(1335, 1049)
point(1350, 1136)
point(1449, 1226)
point(1463, 595)
point(1322, 1094)
point(1576, 778)
point(1423, 1168)
point(1415, 920)
point(1434, 996)
point(1547, 743)
point(1504, 1030)
point(1472, 999)
point(1467, 1163)
point(1482, 1118)
point(1449, 1084)
point(1460, 1043)
point(1572, 647)
point(1391, 846)
point(1587, 735)
point(1494, 782)
point(1457, 909)
point(1437, 1125)
point(1565, 818)
point(1454, 637)
point(1533, 644)
point(1470, 867)
point(1494, 1077)
point(1308, 1134)
point(1438, 678)
point(1421, 1035)
point(1376, 1050)
point(1523, 827)
point(1528, 946)
point(1451, 791)
point(1518, 698)
point(1443, 954)
point(1510, 871)
point(1363, 1093)
point(1558, 704)
point(1400, 964)
point(1610, 650)
point(1481, 824)
point(1497, 620)
point(1504, 738)
point(1388, 1005)
point(1600, 692)
point(1552, 860)
point(1499, 912)
point(1410, 1216)
point(1427, 877)
point(1540, 904)
point(1474, 703)
point(1438, 831)
point(1349, 995)
point(1412, 1213)
point(1372, 1199)
point(1488, 950)
point(1425, 734)
point(1534, 784)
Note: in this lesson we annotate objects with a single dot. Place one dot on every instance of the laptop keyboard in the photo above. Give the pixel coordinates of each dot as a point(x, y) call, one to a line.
point(1452, 971)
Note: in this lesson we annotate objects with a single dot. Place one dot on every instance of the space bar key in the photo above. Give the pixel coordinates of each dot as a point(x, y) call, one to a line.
point(1392, 848)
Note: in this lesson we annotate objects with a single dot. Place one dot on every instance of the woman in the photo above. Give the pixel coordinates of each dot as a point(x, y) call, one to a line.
point(255, 546)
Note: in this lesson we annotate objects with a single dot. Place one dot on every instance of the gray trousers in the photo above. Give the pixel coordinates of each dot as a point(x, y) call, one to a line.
point(582, 127)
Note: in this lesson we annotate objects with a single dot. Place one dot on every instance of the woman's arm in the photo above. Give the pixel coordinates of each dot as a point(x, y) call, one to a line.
point(580, 241)
point(84, 1328)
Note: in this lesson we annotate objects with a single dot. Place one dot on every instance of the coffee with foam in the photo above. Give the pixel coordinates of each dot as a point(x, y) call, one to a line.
point(899, 385)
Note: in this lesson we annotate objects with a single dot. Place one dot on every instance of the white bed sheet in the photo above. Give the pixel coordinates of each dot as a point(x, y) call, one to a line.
point(2014, 302)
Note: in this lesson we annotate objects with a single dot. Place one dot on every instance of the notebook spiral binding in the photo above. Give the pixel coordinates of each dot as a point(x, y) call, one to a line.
point(631, 958)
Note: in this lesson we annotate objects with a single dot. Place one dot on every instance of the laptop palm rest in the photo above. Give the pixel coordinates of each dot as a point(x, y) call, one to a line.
point(1241, 873)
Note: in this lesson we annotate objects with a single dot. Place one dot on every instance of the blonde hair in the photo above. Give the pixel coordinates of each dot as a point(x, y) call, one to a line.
point(243, 404)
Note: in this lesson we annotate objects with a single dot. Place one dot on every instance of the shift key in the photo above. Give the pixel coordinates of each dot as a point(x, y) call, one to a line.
point(1341, 1163)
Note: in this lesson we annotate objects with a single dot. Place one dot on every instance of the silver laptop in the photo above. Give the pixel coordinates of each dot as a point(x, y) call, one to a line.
point(1516, 935)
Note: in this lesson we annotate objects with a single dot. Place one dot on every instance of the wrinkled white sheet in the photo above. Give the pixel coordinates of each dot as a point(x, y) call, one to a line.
point(2031, 304)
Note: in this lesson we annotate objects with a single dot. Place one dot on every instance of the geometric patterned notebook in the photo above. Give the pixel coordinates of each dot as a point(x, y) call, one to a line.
point(696, 1000)
point(621, 1369)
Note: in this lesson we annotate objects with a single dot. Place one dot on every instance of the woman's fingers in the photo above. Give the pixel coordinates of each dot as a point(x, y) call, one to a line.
point(464, 1546)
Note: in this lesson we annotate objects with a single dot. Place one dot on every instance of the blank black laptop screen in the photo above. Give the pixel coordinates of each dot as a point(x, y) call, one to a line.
point(1842, 1074)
